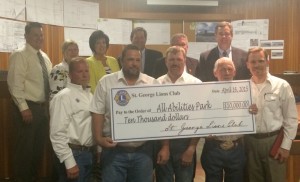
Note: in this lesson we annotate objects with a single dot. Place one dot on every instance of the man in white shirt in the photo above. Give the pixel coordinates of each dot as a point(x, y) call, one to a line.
point(275, 101)
point(177, 156)
point(131, 161)
point(70, 124)
point(223, 157)
point(28, 84)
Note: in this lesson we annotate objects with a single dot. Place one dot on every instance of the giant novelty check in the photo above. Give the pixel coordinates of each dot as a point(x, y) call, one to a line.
point(181, 111)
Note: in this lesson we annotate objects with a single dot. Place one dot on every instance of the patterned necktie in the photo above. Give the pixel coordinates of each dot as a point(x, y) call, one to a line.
point(45, 75)
point(225, 54)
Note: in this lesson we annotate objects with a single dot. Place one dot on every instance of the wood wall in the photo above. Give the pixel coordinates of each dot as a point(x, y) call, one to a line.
point(283, 18)
point(284, 25)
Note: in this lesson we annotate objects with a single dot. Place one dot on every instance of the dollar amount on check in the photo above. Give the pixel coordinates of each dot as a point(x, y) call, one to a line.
point(180, 111)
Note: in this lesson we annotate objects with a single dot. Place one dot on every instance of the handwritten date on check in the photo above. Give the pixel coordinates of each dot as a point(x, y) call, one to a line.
point(181, 111)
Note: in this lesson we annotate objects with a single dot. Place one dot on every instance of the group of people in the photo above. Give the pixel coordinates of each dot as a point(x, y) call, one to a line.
point(78, 90)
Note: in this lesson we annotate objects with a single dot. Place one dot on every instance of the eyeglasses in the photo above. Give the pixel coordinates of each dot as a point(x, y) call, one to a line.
point(224, 34)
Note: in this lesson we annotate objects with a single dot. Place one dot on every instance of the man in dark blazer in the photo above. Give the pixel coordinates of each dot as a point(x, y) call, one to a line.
point(181, 40)
point(138, 37)
point(223, 35)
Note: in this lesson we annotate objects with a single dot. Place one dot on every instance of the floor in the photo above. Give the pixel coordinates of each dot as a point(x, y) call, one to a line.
point(200, 175)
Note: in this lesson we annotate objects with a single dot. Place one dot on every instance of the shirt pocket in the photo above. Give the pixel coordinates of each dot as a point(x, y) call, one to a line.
point(271, 101)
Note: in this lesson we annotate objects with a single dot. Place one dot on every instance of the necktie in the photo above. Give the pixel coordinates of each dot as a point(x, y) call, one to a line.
point(45, 75)
point(225, 54)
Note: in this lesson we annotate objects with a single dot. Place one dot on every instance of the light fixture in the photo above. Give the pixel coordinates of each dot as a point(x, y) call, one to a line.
point(183, 2)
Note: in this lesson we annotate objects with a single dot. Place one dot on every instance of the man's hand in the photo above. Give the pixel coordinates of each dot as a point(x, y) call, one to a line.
point(253, 109)
point(27, 116)
point(163, 155)
point(73, 172)
point(187, 157)
point(107, 142)
point(282, 155)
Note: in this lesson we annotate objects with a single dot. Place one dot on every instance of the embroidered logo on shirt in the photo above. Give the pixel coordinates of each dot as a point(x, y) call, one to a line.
point(122, 97)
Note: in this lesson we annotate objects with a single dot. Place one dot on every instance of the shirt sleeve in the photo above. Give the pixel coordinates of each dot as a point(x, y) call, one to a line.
point(60, 118)
point(98, 102)
point(290, 123)
point(16, 79)
point(57, 81)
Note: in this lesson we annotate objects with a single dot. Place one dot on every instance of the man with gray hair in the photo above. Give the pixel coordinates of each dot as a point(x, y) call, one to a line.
point(224, 156)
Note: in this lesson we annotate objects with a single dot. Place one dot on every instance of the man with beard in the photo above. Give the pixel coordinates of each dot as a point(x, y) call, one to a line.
point(176, 157)
point(131, 161)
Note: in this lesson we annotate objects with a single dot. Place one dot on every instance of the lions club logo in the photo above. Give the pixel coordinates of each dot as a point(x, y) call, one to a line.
point(122, 97)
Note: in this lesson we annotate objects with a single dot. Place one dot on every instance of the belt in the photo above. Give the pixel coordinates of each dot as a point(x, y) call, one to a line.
point(264, 135)
point(129, 149)
point(41, 104)
point(80, 147)
point(226, 145)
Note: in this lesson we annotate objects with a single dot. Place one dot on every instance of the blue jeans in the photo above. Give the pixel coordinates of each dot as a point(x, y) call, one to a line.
point(119, 165)
point(84, 160)
point(165, 173)
point(216, 162)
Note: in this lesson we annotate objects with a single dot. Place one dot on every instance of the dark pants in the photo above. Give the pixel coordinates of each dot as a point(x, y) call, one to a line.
point(30, 139)
point(218, 163)
point(173, 167)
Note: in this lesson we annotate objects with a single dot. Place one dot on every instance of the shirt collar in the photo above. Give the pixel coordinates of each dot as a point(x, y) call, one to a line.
point(141, 78)
point(181, 78)
point(78, 87)
point(221, 51)
point(31, 49)
point(268, 79)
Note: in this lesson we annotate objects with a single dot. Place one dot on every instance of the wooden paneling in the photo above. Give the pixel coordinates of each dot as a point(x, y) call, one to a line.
point(282, 14)
point(283, 25)
point(7, 133)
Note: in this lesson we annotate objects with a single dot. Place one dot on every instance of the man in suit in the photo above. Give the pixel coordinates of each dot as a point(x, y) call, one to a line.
point(138, 37)
point(223, 36)
point(181, 40)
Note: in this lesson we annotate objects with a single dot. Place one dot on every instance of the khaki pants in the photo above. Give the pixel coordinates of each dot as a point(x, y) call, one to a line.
point(262, 167)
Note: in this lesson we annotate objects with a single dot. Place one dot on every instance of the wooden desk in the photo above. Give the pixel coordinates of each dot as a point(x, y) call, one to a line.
point(293, 80)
